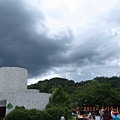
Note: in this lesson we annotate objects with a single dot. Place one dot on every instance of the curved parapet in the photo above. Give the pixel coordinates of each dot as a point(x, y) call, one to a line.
point(13, 79)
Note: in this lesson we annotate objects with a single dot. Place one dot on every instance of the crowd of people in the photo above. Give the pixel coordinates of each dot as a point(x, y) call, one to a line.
point(109, 115)
point(103, 114)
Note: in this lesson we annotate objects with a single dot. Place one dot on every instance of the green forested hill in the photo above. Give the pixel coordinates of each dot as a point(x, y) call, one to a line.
point(70, 86)
point(46, 85)
point(114, 81)
point(99, 91)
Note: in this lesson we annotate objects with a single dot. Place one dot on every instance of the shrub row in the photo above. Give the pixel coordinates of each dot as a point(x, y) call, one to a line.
point(53, 113)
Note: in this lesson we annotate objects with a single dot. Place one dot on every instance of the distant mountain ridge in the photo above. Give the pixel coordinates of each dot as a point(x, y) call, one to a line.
point(46, 85)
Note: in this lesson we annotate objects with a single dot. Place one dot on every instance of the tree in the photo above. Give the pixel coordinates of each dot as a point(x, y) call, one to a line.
point(59, 104)
point(60, 97)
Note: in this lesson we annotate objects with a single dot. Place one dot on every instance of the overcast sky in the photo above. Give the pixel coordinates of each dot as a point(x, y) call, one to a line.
point(73, 39)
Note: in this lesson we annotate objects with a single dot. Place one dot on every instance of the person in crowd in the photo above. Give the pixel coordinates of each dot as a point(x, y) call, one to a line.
point(115, 117)
point(89, 116)
point(84, 114)
point(62, 117)
point(112, 112)
point(101, 113)
point(93, 115)
point(106, 115)
point(81, 116)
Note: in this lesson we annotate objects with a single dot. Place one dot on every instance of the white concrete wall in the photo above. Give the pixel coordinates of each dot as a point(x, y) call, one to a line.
point(27, 99)
point(13, 79)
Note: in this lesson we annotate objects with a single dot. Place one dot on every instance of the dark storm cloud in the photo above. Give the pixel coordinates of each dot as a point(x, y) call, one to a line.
point(20, 43)
point(26, 41)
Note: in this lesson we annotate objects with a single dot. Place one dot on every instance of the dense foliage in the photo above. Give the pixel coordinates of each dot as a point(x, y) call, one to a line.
point(101, 91)
point(21, 113)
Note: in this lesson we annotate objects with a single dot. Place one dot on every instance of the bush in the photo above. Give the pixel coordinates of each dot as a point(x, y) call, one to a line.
point(17, 114)
point(20, 113)
point(38, 115)
point(46, 115)
point(56, 112)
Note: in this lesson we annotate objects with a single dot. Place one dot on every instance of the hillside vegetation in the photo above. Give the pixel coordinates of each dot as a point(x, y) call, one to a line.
point(101, 91)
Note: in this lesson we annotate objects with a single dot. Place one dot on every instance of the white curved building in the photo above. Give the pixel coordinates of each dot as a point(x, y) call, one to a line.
point(14, 92)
